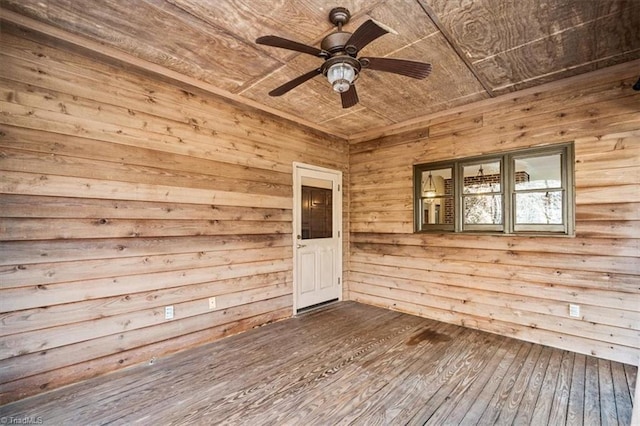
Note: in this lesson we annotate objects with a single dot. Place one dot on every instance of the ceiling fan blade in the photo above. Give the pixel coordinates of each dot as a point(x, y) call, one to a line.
point(283, 43)
point(366, 33)
point(279, 91)
point(404, 67)
point(350, 97)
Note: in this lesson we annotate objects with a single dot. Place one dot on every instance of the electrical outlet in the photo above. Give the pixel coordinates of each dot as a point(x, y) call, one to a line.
point(168, 312)
point(574, 310)
point(212, 303)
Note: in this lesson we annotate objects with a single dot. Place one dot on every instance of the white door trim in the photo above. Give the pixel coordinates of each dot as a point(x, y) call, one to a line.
point(298, 172)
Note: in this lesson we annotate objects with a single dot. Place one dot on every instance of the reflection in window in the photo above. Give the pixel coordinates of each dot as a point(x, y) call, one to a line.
point(481, 194)
point(542, 172)
point(317, 212)
point(437, 197)
point(539, 208)
point(539, 196)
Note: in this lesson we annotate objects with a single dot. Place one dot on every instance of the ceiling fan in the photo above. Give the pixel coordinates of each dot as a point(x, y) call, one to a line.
point(340, 50)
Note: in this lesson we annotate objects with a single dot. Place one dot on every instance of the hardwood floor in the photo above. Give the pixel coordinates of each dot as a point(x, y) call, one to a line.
point(350, 363)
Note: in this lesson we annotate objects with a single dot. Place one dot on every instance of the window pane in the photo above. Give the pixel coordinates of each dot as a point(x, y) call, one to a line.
point(481, 178)
point(538, 172)
point(317, 212)
point(436, 183)
point(437, 197)
point(482, 210)
point(539, 208)
point(437, 210)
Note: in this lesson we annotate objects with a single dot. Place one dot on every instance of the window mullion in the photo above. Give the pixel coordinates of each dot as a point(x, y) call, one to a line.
point(458, 185)
point(508, 188)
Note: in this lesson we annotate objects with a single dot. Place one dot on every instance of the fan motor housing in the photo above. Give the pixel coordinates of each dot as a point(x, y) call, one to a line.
point(335, 42)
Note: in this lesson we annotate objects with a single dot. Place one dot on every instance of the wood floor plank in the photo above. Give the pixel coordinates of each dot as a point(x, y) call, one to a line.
point(475, 411)
point(575, 410)
point(258, 389)
point(632, 376)
point(558, 412)
point(500, 396)
point(591, 392)
point(506, 415)
point(292, 392)
point(351, 364)
point(542, 408)
point(464, 369)
point(231, 391)
point(415, 357)
point(416, 396)
point(530, 398)
point(622, 393)
point(359, 382)
point(418, 386)
point(608, 412)
point(468, 389)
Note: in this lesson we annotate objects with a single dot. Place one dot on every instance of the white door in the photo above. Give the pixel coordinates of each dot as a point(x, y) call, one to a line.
point(317, 236)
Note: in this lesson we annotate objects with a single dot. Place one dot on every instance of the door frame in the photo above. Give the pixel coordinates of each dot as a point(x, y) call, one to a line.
point(298, 173)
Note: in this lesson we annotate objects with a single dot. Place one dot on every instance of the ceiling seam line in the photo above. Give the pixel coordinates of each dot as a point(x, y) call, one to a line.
point(507, 86)
point(582, 24)
point(411, 44)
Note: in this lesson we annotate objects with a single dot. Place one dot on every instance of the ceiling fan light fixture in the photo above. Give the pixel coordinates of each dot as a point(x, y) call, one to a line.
point(339, 50)
point(341, 76)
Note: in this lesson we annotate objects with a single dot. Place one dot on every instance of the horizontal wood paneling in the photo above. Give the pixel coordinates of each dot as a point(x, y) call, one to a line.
point(121, 194)
point(514, 285)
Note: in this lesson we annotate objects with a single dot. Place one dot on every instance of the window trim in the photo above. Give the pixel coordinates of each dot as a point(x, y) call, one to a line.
point(507, 190)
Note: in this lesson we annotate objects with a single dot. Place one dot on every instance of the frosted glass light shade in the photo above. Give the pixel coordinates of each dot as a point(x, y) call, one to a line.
point(341, 76)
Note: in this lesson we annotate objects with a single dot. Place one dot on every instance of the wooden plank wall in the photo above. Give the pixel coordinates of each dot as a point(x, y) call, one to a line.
point(514, 286)
point(121, 194)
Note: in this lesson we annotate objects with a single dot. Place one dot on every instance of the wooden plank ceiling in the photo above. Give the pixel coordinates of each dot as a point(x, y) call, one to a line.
point(478, 48)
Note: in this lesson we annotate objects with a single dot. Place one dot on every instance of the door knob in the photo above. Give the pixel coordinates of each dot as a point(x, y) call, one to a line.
point(301, 245)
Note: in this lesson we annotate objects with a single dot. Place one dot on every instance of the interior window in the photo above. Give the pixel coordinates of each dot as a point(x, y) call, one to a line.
point(520, 191)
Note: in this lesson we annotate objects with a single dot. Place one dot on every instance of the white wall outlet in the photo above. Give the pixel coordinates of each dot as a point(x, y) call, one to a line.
point(168, 312)
point(212, 303)
point(574, 310)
